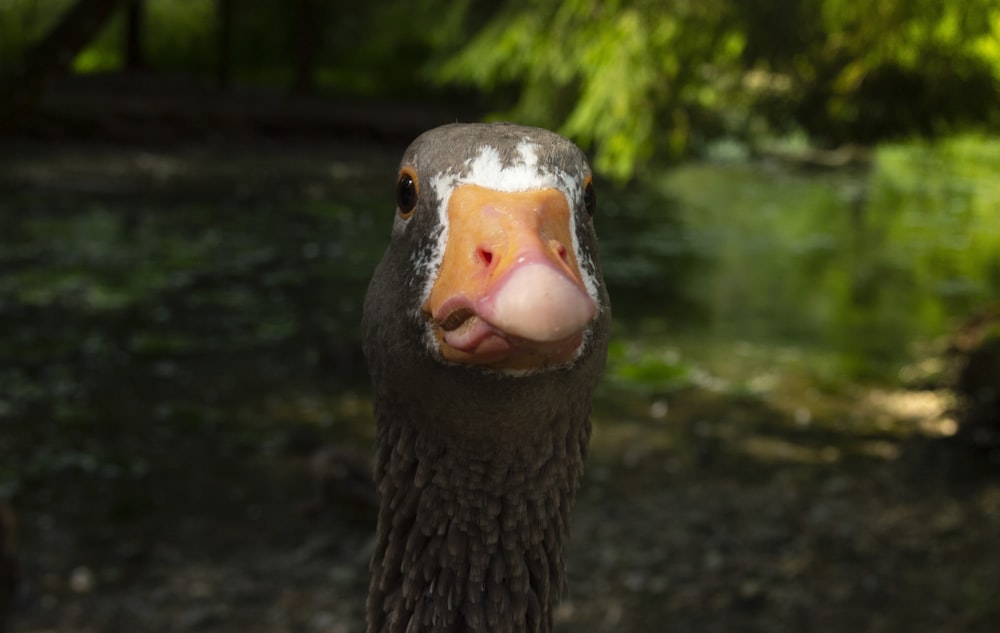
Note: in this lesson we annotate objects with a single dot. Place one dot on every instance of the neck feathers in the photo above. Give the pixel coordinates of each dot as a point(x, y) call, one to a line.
point(469, 538)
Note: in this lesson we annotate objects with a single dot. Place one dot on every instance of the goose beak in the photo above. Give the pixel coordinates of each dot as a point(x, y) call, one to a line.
point(509, 292)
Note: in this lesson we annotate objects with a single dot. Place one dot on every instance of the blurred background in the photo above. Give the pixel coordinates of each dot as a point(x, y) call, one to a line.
point(799, 426)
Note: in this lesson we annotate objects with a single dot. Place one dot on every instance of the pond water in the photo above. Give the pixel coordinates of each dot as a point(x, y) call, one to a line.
point(858, 269)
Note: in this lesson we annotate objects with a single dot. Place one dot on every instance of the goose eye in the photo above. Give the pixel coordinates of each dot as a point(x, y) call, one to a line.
point(406, 195)
point(590, 199)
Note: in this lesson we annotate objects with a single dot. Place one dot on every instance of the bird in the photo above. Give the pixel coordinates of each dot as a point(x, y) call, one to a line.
point(485, 327)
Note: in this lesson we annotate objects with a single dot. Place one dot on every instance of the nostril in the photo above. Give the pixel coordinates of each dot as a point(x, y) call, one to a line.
point(561, 251)
point(485, 255)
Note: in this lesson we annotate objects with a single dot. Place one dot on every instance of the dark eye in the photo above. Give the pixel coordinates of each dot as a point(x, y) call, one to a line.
point(406, 195)
point(590, 199)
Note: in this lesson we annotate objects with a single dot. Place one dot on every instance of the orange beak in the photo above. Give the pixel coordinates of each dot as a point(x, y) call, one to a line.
point(509, 293)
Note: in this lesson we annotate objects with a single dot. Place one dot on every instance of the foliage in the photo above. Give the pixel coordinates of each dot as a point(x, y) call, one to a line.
point(645, 370)
point(633, 76)
point(616, 75)
point(378, 48)
point(629, 79)
point(877, 70)
point(23, 22)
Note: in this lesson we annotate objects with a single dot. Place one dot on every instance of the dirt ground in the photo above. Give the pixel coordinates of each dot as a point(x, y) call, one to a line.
point(870, 534)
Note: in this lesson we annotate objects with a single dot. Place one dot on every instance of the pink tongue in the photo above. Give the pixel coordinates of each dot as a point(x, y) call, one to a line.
point(475, 335)
point(538, 303)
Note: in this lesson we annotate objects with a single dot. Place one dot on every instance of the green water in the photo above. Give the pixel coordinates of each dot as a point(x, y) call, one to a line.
point(859, 270)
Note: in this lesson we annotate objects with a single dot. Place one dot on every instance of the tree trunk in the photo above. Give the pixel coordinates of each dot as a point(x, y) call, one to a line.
point(8, 566)
point(53, 55)
point(134, 34)
point(306, 41)
point(224, 35)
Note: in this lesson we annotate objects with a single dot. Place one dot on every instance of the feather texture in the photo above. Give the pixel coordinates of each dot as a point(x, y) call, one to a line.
point(476, 469)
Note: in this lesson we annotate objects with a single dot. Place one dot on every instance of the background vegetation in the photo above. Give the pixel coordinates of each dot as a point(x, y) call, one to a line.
point(629, 79)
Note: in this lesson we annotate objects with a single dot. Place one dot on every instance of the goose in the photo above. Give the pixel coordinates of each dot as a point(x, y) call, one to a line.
point(485, 327)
